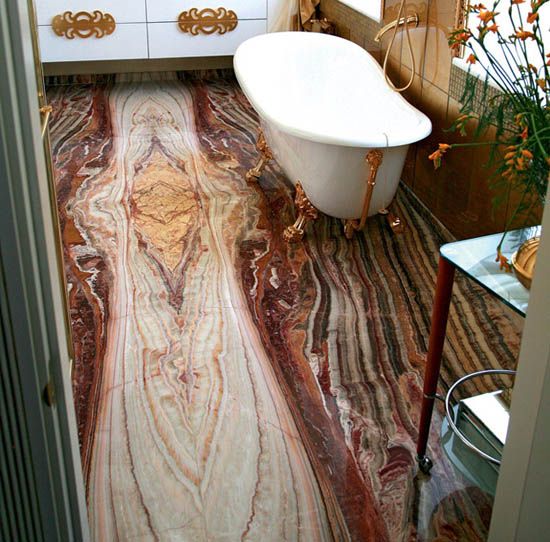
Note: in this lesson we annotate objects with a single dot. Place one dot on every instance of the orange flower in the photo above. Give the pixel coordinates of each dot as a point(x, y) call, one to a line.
point(437, 155)
point(527, 153)
point(503, 261)
point(518, 2)
point(459, 37)
point(525, 134)
point(460, 123)
point(493, 28)
point(532, 17)
point(524, 34)
point(487, 16)
point(541, 83)
point(471, 59)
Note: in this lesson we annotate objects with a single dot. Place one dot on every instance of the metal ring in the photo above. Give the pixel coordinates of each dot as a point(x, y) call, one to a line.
point(449, 416)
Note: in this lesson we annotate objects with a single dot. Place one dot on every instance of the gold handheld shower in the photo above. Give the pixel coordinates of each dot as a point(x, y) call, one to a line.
point(401, 20)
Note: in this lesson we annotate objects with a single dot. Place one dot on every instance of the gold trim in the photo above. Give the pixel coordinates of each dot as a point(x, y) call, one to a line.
point(374, 159)
point(252, 175)
point(207, 21)
point(83, 24)
point(306, 213)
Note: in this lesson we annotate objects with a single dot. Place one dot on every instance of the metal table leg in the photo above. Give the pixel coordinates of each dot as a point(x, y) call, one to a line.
point(440, 314)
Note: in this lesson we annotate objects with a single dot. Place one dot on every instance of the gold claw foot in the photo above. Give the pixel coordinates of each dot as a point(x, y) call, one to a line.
point(394, 222)
point(350, 226)
point(306, 212)
point(252, 175)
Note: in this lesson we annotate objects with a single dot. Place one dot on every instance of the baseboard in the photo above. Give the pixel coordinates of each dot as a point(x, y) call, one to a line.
point(133, 66)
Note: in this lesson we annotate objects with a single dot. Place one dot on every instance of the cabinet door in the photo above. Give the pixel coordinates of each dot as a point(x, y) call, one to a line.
point(123, 11)
point(166, 40)
point(128, 41)
point(169, 10)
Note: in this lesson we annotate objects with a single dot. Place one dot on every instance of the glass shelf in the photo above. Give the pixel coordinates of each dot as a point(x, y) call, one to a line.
point(467, 441)
point(477, 259)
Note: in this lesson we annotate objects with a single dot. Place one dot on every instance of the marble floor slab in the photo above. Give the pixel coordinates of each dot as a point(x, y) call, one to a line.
point(229, 386)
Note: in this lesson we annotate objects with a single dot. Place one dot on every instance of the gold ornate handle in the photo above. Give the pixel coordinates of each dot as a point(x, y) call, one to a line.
point(45, 112)
point(207, 21)
point(83, 24)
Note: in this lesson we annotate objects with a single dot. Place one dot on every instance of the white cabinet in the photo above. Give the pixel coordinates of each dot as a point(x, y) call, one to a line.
point(166, 40)
point(129, 41)
point(168, 10)
point(145, 28)
point(123, 11)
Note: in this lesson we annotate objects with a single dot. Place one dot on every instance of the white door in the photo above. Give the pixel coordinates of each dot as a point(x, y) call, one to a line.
point(39, 456)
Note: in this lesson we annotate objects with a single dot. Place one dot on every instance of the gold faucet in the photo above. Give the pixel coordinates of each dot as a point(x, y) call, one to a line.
point(398, 22)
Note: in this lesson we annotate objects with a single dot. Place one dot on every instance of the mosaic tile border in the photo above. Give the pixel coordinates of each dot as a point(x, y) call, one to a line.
point(351, 25)
point(457, 84)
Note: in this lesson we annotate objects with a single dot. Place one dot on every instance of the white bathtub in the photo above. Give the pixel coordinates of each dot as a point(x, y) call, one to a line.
point(323, 104)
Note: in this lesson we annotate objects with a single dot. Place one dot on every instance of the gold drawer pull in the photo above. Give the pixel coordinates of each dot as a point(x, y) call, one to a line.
point(208, 21)
point(83, 24)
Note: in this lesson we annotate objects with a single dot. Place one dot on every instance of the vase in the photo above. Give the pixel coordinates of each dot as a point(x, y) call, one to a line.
point(524, 260)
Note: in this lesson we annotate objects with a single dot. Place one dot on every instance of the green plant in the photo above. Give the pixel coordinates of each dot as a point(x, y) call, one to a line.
point(514, 121)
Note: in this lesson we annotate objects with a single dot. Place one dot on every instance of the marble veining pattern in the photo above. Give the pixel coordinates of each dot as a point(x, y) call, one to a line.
point(229, 386)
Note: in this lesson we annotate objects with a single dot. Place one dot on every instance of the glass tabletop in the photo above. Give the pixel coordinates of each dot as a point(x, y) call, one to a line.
point(476, 257)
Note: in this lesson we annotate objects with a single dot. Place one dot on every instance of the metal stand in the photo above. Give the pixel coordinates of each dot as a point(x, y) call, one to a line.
point(449, 411)
point(440, 315)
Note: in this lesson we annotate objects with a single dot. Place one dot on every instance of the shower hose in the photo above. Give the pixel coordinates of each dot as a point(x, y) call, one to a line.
point(401, 14)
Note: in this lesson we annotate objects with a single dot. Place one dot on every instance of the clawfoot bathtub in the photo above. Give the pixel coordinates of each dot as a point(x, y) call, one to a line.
point(332, 123)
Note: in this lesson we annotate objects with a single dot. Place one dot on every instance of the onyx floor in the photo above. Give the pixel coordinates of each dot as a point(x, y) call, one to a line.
point(229, 386)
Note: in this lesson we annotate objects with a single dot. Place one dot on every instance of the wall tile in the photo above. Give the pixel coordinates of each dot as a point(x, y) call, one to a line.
point(409, 167)
point(437, 62)
point(484, 216)
point(414, 93)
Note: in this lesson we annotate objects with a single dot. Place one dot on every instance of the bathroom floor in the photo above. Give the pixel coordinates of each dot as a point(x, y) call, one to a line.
point(229, 386)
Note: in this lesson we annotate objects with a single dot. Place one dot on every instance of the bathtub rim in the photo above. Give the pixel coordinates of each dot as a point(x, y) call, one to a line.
point(422, 130)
